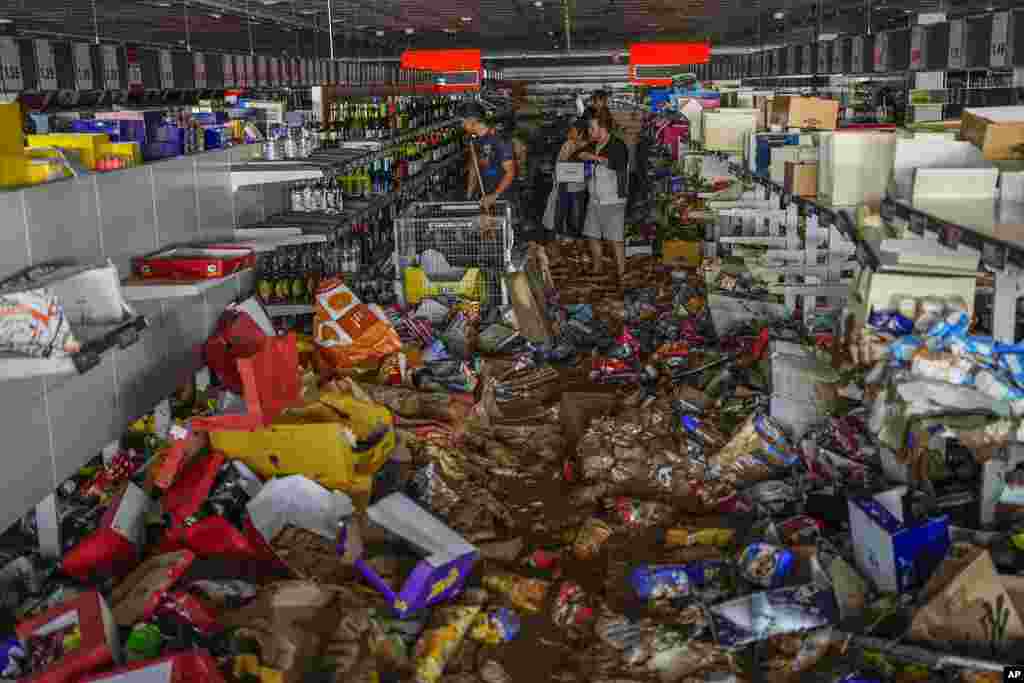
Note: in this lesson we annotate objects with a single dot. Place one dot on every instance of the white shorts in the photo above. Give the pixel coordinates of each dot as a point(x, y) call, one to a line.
point(605, 222)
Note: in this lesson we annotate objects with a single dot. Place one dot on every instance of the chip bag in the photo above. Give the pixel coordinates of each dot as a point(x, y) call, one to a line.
point(348, 332)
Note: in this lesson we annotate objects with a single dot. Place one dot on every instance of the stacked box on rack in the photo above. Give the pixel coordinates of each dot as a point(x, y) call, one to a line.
point(727, 130)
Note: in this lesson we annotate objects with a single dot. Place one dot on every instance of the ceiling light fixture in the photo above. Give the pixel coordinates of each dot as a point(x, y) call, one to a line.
point(380, 34)
point(162, 4)
point(538, 4)
point(410, 31)
point(449, 30)
point(6, 21)
point(779, 15)
point(214, 15)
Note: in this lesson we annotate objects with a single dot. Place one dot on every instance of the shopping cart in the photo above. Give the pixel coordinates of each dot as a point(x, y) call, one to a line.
point(451, 248)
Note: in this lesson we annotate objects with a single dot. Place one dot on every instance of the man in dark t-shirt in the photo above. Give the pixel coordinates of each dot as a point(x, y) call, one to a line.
point(494, 156)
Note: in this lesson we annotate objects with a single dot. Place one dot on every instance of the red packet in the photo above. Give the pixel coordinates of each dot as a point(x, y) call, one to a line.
point(186, 496)
point(181, 667)
point(191, 611)
point(185, 446)
point(113, 549)
point(97, 646)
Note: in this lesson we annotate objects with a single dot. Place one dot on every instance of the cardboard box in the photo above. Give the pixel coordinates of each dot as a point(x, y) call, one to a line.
point(727, 130)
point(896, 555)
point(98, 647)
point(448, 557)
point(805, 112)
point(181, 667)
point(801, 178)
point(854, 167)
point(685, 254)
point(997, 131)
point(780, 156)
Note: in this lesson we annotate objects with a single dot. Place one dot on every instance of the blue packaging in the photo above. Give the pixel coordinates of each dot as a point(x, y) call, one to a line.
point(765, 565)
point(766, 142)
point(12, 659)
point(660, 582)
point(891, 322)
point(904, 348)
point(777, 450)
point(955, 323)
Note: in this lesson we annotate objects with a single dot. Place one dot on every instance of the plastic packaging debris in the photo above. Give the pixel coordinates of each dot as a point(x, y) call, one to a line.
point(449, 625)
point(499, 625)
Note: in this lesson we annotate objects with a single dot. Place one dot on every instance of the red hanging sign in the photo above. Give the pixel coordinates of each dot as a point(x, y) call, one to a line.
point(440, 61)
point(644, 58)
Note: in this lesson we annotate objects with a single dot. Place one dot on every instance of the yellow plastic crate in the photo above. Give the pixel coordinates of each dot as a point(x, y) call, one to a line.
point(419, 286)
point(12, 138)
point(319, 442)
point(89, 145)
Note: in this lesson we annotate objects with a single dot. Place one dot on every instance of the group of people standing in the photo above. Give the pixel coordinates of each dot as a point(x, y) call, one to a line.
point(594, 209)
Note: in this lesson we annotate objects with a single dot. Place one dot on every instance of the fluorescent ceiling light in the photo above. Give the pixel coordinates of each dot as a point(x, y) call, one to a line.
point(538, 3)
point(449, 30)
point(214, 15)
point(380, 34)
point(466, 20)
point(410, 31)
point(779, 15)
point(6, 21)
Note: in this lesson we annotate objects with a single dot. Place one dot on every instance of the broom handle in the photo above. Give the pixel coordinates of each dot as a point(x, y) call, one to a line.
point(476, 168)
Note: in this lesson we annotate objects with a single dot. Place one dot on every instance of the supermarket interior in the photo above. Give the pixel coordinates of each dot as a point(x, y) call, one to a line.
point(583, 341)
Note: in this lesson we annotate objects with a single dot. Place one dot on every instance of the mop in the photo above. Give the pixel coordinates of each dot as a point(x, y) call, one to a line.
point(488, 221)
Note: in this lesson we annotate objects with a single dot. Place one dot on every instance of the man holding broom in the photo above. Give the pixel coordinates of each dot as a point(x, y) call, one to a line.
point(492, 164)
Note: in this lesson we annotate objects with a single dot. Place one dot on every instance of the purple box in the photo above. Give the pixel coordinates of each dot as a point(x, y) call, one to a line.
point(440, 575)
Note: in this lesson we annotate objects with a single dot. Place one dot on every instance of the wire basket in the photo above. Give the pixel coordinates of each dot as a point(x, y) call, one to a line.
point(460, 250)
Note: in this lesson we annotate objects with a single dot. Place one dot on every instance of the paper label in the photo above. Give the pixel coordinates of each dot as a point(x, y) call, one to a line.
point(130, 518)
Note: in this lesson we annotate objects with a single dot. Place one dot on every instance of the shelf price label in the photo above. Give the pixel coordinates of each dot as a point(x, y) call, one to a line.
point(46, 68)
point(111, 67)
point(166, 70)
point(82, 57)
point(949, 236)
point(199, 69)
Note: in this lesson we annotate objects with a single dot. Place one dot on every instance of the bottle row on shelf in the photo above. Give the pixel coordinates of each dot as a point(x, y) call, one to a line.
point(383, 118)
point(379, 176)
point(358, 249)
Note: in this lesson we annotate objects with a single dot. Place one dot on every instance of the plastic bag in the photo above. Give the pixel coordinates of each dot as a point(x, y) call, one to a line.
point(348, 332)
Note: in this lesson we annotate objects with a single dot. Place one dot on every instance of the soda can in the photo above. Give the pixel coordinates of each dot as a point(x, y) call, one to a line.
point(591, 538)
point(765, 565)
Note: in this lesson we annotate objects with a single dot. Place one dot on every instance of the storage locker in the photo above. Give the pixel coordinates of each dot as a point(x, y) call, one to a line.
point(842, 55)
point(892, 50)
point(184, 69)
point(809, 58)
point(794, 59)
point(929, 47)
point(957, 35)
point(1001, 48)
point(862, 54)
point(780, 62)
point(214, 70)
point(978, 43)
point(825, 64)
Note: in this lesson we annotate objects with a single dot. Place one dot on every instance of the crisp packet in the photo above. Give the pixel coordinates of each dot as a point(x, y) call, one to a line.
point(777, 450)
point(904, 348)
point(759, 616)
point(955, 323)
point(32, 323)
point(765, 565)
point(570, 607)
point(524, 593)
point(642, 514)
point(500, 625)
point(449, 625)
point(943, 366)
point(686, 537)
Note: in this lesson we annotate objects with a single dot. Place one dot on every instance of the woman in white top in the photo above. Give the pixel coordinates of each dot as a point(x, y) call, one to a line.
point(572, 207)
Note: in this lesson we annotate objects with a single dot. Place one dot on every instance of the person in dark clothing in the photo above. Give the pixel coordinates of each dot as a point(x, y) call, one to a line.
point(609, 187)
point(494, 156)
point(598, 104)
point(571, 208)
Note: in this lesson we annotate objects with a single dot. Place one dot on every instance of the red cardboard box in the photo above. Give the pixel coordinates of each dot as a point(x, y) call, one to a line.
point(98, 644)
point(195, 263)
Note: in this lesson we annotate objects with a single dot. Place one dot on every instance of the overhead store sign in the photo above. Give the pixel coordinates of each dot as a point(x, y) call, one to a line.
point(453, 70)
point(656, 63)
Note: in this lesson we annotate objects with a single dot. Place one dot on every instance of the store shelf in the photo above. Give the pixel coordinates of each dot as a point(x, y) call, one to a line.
point(285, 310)
point(993, 228)
point(265, 244)
point(262, 172)
point(150, 290)
point(96, 341)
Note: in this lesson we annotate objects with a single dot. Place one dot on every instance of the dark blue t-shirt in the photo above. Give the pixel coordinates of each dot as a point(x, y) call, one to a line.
point(492, 153)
